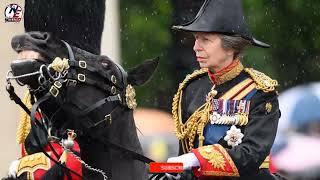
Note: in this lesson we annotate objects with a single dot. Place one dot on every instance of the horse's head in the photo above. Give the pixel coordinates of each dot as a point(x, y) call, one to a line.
point(85, 85)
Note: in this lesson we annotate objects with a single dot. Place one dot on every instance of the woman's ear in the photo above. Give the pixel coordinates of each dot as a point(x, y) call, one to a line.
point(142, 73)
point(230, 52)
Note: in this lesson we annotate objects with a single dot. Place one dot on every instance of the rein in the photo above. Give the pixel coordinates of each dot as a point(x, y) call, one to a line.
point(70, 77)
point(13, 96)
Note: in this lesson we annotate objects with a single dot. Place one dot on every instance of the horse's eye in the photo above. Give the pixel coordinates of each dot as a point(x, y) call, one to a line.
point(104, 64)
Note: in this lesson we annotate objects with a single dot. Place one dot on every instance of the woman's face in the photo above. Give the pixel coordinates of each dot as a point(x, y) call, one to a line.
point(209, 51)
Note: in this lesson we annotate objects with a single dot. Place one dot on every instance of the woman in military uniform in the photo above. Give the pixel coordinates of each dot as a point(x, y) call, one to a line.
point(225, 115)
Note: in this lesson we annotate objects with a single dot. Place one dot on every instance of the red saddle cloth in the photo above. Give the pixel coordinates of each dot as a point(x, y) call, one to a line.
point(36, 165)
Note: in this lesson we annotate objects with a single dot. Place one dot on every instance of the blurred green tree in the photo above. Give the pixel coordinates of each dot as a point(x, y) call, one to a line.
point(292, 28)
point(145, 33)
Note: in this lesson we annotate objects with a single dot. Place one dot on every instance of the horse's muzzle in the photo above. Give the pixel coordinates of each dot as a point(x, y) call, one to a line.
point(26, 66)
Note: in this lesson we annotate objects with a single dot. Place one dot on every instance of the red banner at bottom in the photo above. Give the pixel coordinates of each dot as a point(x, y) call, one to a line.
point(166, 167)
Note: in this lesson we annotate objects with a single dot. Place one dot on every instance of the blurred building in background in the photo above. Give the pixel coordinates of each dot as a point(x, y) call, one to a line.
point(9, 110)
point(155, 131)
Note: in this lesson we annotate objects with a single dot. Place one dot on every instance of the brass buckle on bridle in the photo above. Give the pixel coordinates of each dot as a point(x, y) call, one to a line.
point(82, 77)
point(83, 64)
point(107, 118)
point(71, 82)
point(57, 84)
point(54, 91)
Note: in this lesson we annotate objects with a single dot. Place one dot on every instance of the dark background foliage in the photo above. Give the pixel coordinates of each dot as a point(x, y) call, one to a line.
point(291, 27)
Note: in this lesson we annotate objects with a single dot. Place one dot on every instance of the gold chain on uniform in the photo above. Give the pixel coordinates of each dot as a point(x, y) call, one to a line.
point(187, 131)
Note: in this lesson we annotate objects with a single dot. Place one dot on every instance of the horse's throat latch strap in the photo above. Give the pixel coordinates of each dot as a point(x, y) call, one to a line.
point(100, 103)
point(109, 117)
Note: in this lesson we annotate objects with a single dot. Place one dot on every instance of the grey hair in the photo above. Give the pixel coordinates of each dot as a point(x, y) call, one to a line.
point(236, 43)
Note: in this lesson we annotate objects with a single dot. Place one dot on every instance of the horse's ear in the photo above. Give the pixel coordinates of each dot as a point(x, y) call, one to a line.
point(142, 73)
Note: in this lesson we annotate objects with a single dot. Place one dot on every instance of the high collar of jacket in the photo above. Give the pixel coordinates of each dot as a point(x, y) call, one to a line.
point(226, 74)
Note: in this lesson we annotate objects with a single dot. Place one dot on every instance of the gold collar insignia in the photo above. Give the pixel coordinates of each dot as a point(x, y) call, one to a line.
point(234, 72)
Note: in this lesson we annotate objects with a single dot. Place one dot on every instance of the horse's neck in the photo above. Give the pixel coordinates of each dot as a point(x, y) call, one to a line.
point(122, 131)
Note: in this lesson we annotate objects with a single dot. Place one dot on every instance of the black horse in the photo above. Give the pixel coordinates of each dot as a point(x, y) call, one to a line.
point(92, 96)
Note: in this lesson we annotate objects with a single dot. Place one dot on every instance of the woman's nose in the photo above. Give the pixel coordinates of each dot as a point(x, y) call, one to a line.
point(196, 46)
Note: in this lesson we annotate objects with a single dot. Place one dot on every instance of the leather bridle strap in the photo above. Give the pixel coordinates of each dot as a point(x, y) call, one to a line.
point(91, 69)
point(157, 176)
point(124, 75)
point(17, 100)
point(96, 83)
point(103, 140)
point(70, 52)
point(100, 103)
point(33, 120)
point(134, 155)
point(106, 142)
point(14, 97)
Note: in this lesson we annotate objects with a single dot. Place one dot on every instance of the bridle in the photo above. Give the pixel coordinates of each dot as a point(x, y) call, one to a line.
point(76, 73)
point(65, 73)
point(61, 73)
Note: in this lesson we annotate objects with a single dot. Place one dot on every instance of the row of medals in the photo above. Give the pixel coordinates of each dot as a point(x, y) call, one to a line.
point(227, 119)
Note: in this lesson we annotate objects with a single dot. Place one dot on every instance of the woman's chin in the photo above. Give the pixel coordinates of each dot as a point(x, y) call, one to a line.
point(203, 65)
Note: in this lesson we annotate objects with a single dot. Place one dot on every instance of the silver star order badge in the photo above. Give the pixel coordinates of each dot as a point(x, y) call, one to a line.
point(234, 136)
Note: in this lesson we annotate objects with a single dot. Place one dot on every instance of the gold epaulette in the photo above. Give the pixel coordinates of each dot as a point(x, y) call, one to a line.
point(263, 82)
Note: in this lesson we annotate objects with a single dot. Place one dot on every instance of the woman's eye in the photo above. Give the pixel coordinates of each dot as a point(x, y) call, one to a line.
point(205, 39)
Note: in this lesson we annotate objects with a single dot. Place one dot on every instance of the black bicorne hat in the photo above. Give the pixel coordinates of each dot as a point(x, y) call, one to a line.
point(221, 16)
point(78, 22)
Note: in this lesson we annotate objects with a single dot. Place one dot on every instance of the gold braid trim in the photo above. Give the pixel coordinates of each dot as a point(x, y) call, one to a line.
point(24, 125)
point(264, 82)
point(234, 72)
point(219, 158)
point(193, 125)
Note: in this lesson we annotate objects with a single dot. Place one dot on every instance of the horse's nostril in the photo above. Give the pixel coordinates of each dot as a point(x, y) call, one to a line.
point(39, 36)
point(45, 36)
